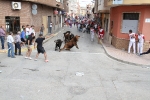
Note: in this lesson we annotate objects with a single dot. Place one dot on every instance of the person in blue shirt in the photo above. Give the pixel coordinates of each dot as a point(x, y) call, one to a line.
point(22, 35)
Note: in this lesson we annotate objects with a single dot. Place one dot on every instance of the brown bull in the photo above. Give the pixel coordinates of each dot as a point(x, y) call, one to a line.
point(71, 43)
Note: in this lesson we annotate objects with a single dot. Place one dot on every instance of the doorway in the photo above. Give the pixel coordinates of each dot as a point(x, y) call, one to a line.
point(49, 20)
point(55, 22)
point(12, 24)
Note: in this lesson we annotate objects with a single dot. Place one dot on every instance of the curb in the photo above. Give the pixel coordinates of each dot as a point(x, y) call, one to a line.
point(126, 62)
point(25, 49)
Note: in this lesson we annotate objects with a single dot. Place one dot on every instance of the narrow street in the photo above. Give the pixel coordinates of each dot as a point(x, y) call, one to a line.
point(86, 73)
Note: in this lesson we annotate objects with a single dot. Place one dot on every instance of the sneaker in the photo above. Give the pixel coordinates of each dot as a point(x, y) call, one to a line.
point(35, 59)
point(26, 57)
point(0, 71)
point(13, 57)
point(20, 55)
point(30, 58)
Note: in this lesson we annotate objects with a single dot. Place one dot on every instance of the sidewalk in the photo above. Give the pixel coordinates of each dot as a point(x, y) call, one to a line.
point(124, 57)
point(24, 49)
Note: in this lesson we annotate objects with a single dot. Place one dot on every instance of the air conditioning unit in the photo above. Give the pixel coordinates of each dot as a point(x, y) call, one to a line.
point(16, 5)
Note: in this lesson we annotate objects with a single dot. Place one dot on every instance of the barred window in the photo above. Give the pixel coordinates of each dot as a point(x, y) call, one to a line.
point(130, 21)
point(131, 16)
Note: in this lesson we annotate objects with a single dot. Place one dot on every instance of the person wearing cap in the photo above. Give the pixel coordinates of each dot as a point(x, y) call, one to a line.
point(18, 43)
point(10, 42)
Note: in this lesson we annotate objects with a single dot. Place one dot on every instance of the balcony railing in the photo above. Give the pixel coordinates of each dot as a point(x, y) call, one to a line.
point(52, 3)
point(126, 2)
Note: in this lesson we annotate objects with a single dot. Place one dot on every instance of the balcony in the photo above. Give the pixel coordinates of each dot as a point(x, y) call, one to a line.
point(102, 7)
point(52, 3)
point(111, 3)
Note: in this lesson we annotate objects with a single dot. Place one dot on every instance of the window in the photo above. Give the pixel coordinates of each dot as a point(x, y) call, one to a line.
point(99, 2)
point(130, 21)
point(131, 16)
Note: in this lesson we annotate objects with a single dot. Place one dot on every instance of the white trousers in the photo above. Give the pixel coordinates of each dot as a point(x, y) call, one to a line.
point(92, 36)
point(139, 48)
point(130, 45)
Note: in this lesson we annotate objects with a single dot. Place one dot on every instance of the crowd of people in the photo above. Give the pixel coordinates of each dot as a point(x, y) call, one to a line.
point(95, 29)
point(87, 25)
point(25, 37)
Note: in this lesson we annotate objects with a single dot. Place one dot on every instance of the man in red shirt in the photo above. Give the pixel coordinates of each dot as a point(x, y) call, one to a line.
point(100, 34)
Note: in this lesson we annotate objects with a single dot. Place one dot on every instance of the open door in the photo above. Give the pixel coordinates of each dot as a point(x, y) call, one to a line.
point(45, 22)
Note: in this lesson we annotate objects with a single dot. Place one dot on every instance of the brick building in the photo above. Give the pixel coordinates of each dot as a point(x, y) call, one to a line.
point(14, 14)
point(123, 16)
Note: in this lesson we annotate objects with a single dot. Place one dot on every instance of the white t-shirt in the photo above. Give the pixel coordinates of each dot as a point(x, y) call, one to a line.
point(95, 25)
point(141, 38)
point(10, 39)
point(132, 37)
point(78, 25)
point(92, 31)
point(27, 31)
point(31, 30)
point(50, 25)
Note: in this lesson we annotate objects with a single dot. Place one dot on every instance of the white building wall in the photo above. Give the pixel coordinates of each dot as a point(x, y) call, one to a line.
point(101, 6)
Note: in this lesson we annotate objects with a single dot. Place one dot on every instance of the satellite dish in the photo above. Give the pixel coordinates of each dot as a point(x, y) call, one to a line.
point(34, 12)
point(34, 6)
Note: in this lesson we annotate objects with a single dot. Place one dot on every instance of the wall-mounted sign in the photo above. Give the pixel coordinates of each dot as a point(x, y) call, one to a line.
point(117, 1)
point(147, 20)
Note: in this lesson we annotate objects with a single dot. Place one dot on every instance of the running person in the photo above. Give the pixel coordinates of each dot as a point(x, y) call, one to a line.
point(40, 48)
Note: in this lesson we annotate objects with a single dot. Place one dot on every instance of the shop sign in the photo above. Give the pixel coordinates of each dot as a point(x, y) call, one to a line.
point(117, 1)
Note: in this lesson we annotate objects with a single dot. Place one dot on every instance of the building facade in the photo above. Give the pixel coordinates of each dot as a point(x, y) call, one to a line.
point(73, 8)
point(89, 11)
point(31, 12)
point(126, 15)
point(102, 13)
